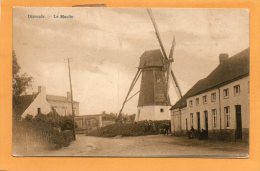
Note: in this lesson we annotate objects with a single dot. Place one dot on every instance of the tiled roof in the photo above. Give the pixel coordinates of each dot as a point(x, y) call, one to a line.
point(93, 115)
point(151, 58)
point(182, 102)
point(58, 98)
point(23, 102)
point(232, 69)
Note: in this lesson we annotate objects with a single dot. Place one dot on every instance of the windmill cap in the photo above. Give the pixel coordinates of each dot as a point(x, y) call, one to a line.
point(151, 58)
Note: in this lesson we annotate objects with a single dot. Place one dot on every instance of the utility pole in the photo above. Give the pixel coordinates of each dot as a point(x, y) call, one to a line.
point(71, 99)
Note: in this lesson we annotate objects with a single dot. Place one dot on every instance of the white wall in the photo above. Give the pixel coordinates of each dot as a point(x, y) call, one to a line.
point(64, 108)
point(241, 99)
point(153, 113)
point(178, 122)
point(203, 107)
point(39, 102)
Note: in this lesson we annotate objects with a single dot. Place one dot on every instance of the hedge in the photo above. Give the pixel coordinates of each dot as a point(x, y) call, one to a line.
point(49, 131)
point(131, 129)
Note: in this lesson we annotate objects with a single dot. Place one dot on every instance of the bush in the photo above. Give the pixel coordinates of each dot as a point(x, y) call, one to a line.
point(130, 129)
point(67, 137)
point(57, 139)
point(51, 130)
point(67, 124)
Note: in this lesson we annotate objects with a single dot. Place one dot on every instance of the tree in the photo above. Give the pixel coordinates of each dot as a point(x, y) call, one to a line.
point(20, 81)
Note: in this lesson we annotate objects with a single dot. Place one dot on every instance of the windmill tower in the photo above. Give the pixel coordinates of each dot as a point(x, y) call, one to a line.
point(155, 68)
point(153, 103)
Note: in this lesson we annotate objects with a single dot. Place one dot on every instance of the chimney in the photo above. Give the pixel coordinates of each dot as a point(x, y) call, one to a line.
point(69, 96)
point(223, 57)
point(42, 89)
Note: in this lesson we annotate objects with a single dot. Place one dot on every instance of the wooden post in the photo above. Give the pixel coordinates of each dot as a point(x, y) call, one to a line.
point(71, 99)
point(129, 91)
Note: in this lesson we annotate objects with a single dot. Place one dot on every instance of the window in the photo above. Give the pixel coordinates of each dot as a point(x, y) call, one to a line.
point(204, 99)
point(227, 116)
point(161, 110)
point(197, 101)
point(214, 118)
point(213, 97)
point(191, 119)
point(236, 90)
point(186, 124)
point(190, 102)
point(39, 110)
point(226, 93)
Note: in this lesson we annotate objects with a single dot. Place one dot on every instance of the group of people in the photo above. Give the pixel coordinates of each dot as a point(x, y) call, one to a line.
point(201, 134)
point(167, 128)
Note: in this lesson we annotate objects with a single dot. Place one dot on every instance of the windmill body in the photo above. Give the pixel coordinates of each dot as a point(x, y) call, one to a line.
point(156, 71)
point(153, 103)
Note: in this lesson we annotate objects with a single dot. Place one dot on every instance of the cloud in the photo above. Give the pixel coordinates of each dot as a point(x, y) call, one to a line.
point(104, 45)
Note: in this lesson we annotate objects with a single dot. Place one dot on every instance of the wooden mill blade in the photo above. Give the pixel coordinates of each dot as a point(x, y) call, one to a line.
point(157, 35)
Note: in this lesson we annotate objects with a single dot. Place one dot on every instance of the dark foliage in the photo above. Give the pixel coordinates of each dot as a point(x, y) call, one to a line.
point(51, 130)
point(113, 117)
point(20, 81)
point(131, 129)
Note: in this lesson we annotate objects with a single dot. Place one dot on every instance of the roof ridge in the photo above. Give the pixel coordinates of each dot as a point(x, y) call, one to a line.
point(234, 68)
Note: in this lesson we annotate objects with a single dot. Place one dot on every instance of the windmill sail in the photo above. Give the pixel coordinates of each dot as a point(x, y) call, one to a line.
point(177, 87)
point(172, 49)
point(170, 60)
point(156, 71)
point(157, 33)
point(167, 61)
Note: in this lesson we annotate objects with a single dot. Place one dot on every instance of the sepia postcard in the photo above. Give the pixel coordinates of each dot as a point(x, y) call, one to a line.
point(130, 82)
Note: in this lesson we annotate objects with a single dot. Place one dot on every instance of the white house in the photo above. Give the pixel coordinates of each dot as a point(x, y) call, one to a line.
point(62, 104)
point(40, 102)
point(219, 103)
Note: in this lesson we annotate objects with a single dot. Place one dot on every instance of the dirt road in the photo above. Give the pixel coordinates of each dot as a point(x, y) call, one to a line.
point(152, 145)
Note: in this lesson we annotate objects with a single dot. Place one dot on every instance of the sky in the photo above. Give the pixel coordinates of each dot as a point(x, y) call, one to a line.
point(104, 46)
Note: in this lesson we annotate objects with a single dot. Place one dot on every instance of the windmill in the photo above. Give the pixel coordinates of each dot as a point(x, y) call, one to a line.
point(155, 68)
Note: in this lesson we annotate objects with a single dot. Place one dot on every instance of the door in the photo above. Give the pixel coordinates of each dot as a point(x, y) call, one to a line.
point(206, 124)
point(238, 122)
point(198, 121)
point(39, 111)
point(186, 124)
